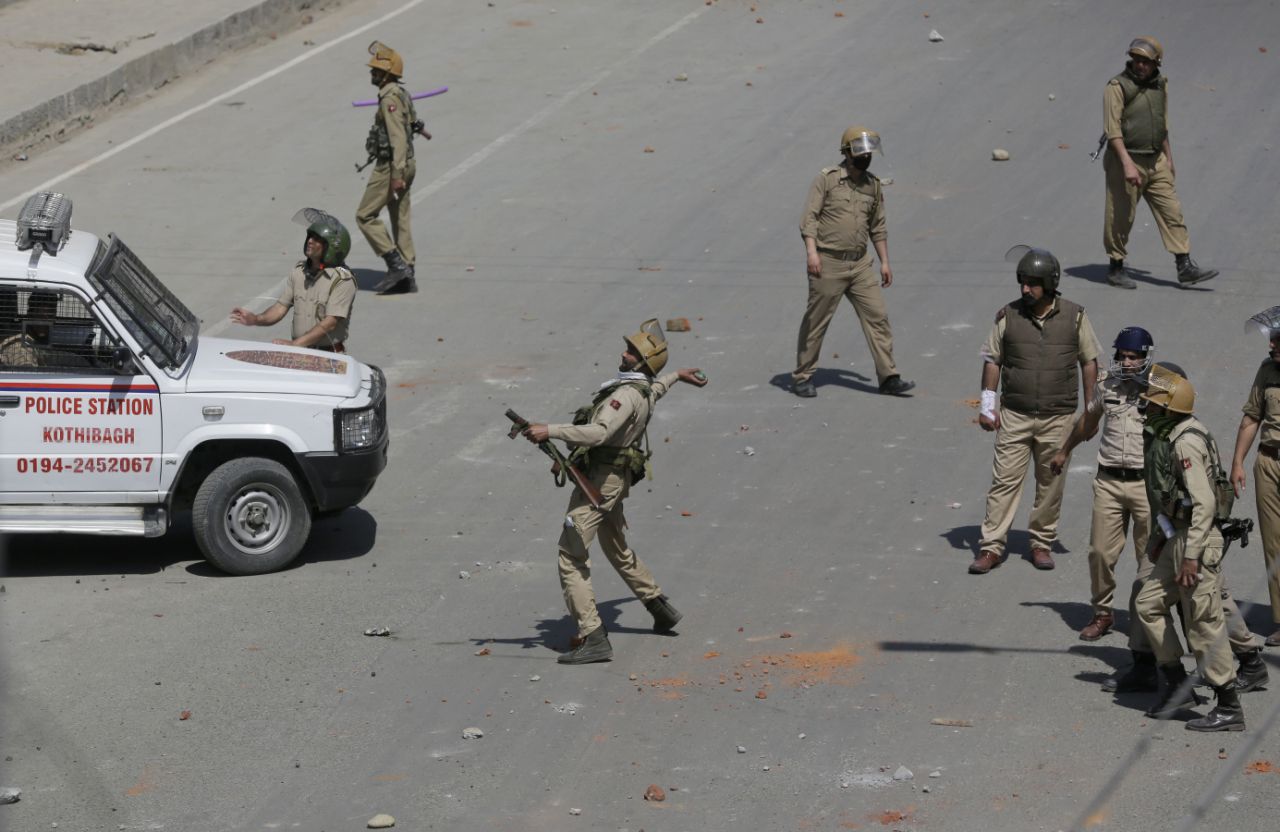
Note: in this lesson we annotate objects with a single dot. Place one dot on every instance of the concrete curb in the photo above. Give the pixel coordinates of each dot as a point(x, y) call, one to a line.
point(62, 114)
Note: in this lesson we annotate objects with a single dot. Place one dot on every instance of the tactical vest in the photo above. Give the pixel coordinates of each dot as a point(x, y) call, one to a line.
point(635, 458)
point(1039, 374)
point(378, 142)
point(1166, 491)
point(1143, 118)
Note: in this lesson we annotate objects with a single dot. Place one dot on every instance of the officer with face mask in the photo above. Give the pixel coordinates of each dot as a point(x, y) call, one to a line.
point(843, 220)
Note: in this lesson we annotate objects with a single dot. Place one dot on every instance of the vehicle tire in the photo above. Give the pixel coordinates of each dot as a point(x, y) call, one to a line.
point(249, 517)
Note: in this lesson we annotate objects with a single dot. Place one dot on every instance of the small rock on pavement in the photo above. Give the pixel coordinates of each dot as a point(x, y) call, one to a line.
point(1000, 155)
point(934, 36)
point(742, 749)
point(464, 574)
point(377, 631)
point(472, 733)
point(1052, 97)
point(10, 794)
point(903, 773)
point(935, 774)
point(655, 793)
point(682, 77)
point(575, 812)
point(381, 822)
point(535, 678)
point(749, 451)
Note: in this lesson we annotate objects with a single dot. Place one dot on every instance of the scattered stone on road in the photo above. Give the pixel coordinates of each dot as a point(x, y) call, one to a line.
point(472, 733)
point(1000, 155)
point(10, 794)
point(381, 822)
point(934, 36)
point(655, 793)
point(903, 773)
point(575, 812)
point(377, 631)
point(742, 749)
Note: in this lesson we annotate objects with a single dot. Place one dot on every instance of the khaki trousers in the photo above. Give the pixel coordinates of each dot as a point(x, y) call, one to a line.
point(1266, 491)
point(1201, 610)
point(1021, 440)
point(377, 195)
point(1117, 504)
point(1156, 186)
point(581, 526)
point(858, 281)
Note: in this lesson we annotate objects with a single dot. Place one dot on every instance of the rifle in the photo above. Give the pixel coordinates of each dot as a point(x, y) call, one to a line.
point(1102, 144)
point(1234, 528)
point(561, 469)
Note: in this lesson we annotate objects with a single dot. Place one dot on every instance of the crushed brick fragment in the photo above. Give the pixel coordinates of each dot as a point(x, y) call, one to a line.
point(655, 793)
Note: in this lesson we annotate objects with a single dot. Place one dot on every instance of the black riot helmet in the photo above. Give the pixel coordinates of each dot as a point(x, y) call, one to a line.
point(1037, 266)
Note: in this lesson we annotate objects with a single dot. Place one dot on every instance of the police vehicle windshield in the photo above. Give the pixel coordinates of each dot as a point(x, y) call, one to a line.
point(164, 327)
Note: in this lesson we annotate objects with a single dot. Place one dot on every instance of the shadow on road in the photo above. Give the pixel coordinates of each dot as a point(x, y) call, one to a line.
point(823, 377)
point(347, 535)
point(556, 633)
point(1097, 273)
point(1019, 540)
point(366, 279)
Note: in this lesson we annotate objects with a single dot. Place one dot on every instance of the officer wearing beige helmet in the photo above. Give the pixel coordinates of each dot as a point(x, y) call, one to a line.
point(843, 219)
point(611, 442)
point(1139, 164)
point(390, 146)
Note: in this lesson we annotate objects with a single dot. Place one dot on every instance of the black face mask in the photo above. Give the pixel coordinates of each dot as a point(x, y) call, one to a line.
point(861, 162)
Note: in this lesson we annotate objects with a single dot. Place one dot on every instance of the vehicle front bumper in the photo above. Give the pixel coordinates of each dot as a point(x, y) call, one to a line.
point(342, 480)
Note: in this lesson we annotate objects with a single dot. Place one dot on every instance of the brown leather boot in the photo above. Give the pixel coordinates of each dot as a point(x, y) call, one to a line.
point(984, 562)
point(1041, 559)
point(1098, 627)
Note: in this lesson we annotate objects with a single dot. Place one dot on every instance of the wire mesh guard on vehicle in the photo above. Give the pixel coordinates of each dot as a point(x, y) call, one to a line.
point(45, 329)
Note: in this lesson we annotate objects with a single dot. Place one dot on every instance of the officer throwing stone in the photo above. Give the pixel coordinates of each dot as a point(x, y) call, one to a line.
point(320, 290)
point(1040, 351)
point(611, 438)
point(1139, 163)
point(390, 146)
point(843, 218)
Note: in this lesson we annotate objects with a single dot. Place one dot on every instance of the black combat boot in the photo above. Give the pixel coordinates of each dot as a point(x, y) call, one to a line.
point(1117, 276)
point(1177, 692)
point(1141, 677)
point(1189, 273)
point(1227, 715)
point(594, 648)
point(398, 272)
point(1253, 672)
point(665, 616)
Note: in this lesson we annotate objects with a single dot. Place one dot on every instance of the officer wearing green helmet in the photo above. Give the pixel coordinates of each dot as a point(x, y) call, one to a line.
point(1041, 350)
point(321, 290)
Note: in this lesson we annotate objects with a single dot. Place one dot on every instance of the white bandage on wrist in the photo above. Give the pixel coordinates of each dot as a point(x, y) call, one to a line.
point(988, 407)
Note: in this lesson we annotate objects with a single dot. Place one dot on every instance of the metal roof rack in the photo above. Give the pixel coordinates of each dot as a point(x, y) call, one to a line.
point(45, 220)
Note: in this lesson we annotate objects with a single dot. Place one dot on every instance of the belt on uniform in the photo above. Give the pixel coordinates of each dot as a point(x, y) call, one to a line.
point(855, 254)
point(337, 346)
point(1269, 451)
point(1126, 474)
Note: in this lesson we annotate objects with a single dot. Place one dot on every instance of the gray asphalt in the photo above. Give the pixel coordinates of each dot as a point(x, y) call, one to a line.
point(849, 528)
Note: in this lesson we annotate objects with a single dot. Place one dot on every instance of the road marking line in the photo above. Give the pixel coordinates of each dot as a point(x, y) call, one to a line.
point(217, 99)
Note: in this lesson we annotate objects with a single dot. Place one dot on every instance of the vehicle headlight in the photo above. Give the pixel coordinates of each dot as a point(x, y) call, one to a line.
point(363, 427)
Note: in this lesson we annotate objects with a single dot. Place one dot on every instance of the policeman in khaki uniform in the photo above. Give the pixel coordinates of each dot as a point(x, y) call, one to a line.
point(612, 446)
point(390, 145)
point(1139, 163)
point(1119, 495)
point(1040, 351)
point(1262, 419)
point(321, 290)
point(843, 216)
point(1187, 548)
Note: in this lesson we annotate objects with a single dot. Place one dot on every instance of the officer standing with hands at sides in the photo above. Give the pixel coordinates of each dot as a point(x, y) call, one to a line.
point(1139, 163)
point(321, 289)
point(1040, 353)
point(390, 146)
point(611, 438)
point(843, 218)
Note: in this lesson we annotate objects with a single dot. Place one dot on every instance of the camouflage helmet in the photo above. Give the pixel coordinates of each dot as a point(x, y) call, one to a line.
point(1036, 264)
point(386, 59)
point(651, 345)
point(1169, 390)
point(859, 140)
point(1146, 47)
point(326, 228)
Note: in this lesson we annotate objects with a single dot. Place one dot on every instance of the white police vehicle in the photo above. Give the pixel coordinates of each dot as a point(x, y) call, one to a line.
point(115, 414)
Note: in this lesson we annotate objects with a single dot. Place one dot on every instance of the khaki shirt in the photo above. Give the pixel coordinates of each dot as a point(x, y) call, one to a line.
point(1264, 402)
point(1116, 400)
point(1191, 458)
point(993, 349)
point(393, 111)
point(1113, 111)
point(620, 420)
point(314, 297)
point(842, 213)
point(23, 352)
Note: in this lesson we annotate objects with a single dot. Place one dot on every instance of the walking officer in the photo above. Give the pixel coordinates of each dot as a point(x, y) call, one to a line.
point(843, 219)
point(611, 435)
point(390, 146)
point(1139, 164)
point(1040, 351)
point(1181, 464)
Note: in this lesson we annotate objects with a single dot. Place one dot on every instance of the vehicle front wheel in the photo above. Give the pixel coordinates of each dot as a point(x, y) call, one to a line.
point(249, 517)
